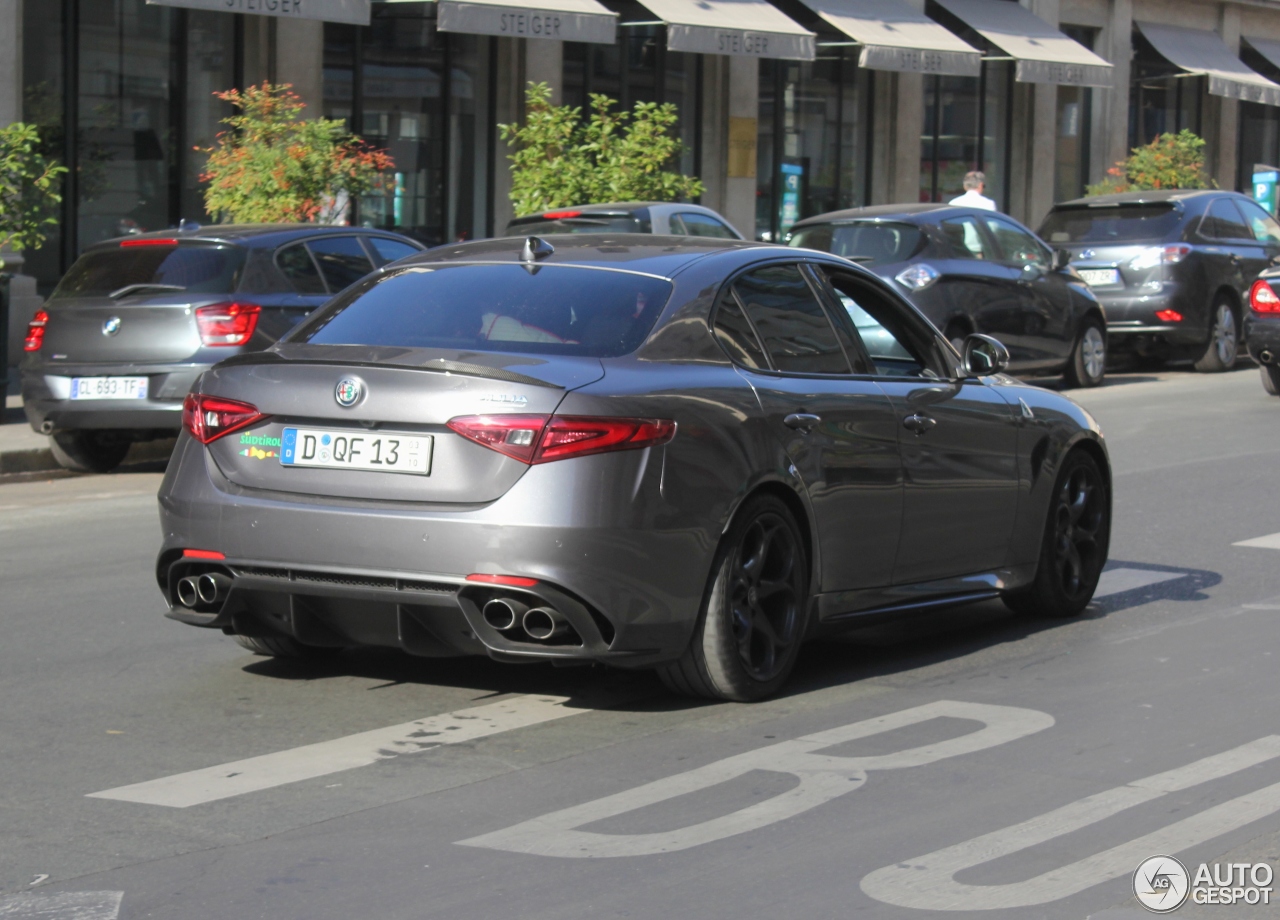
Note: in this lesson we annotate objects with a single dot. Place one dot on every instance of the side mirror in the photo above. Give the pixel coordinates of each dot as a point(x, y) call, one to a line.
point(984, 355)
point(1061, 259)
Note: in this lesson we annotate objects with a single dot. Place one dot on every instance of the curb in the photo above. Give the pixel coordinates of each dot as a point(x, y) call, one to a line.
point(40, 459)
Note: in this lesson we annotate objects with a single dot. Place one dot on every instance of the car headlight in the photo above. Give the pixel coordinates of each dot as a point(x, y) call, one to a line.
point(917, 277)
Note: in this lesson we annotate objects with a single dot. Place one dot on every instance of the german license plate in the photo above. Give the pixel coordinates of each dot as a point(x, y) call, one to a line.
point(109, 387)
point(384, 451)
point(1099, 277)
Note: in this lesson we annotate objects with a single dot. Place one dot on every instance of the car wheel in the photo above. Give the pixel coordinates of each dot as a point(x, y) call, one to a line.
point(1088, 362)
point(1077, 534)
point(1270, 379)
point(753, 616)
point(1224, 339)
point(283, 647)
point(88, 451)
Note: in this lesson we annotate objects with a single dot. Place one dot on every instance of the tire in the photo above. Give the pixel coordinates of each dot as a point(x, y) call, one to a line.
point(1224, 338)
point(282, 647)
point(746, 640)
point(88, 451)
point(1077, 535)
point(1270, 378)
point(1088, 362)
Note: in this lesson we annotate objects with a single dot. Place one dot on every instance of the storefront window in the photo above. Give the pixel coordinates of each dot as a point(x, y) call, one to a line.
point(811, 145)
point(1162, 98)
point(209, 56)
point(43, 106)
point(966, 127)
point(1259, 126)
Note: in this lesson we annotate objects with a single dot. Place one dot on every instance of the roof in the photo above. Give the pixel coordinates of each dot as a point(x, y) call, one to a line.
point(907, 209)
point(641, 252)
point(266, 234)
point(607, 207)
point(1149, 195)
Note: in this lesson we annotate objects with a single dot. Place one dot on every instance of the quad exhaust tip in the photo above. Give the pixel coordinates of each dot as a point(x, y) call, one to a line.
point(209, 589)
point(188, 592)
point(503, 613)
point(540, 624)
point(543, 623)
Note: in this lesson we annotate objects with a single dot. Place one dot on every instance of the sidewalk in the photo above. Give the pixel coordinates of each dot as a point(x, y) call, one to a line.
point(25, 451)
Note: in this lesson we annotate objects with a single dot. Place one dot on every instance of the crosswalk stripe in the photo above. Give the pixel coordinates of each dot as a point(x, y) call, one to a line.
point(1119, 580)
point(62, 905)
point(1270, 541)
point(227, 780)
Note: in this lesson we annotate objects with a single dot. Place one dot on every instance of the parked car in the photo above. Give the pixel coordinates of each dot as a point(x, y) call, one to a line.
point(970, 270)
point(1262, 328)
point(133, 323)
point(1172, 268)
point(627, 217)
point(681, 454)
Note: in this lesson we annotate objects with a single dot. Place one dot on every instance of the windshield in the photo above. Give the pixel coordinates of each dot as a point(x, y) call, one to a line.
point(194, 269)
point(1130, 223)
point(868, 242)
point(554, 309)
point(584, 223)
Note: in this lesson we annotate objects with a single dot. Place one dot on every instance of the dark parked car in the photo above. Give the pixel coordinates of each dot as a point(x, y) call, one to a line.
point(133, 323)
point(627, 217)
point(970, 270)
point(679, 454)
point(1262, 328)
point(1172, 268)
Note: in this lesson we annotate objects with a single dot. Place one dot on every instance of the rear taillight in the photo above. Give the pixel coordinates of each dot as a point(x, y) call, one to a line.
point(1169, 316)
point(1262, 298)
point(560, 215)
point(1176, 252)
point(210, 417)
point(35, 331)
point(541, 439)
point(227, 323)
point(153, 241)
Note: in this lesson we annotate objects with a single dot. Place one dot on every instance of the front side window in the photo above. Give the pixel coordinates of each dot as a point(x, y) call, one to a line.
point(966, 238)
point(898, 343)
point(790, 321)
point(1264, 226)
point(1017, 246)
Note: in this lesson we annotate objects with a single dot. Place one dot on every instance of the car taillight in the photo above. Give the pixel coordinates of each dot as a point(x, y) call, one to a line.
point(541, 439)
point(35, 331)
point(1262, 298)
point(210, 417)
point(149, 242)
point(1176, 252)
point(1169, 316)
point(560, 215)
point(227, 323)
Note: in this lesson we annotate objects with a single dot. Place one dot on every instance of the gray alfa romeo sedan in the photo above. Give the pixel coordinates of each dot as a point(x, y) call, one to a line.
point(678, 453)
point(133, 323)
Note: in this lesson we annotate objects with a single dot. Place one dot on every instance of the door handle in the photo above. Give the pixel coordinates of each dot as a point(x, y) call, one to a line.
point(919, 423)
point(802, 421)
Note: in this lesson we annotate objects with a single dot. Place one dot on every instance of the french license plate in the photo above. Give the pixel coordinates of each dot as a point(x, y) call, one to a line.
point(1098, 277)
point(109, 387)
point(384, 451)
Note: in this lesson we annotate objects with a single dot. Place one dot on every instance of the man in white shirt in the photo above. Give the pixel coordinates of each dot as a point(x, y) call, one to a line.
point(974, 183)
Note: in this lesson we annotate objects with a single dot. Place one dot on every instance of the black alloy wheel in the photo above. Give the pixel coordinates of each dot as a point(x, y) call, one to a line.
point(1076, 539)
point(754, 615)
point(89, 451)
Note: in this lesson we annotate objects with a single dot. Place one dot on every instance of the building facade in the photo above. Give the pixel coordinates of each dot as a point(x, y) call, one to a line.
point(788, 107)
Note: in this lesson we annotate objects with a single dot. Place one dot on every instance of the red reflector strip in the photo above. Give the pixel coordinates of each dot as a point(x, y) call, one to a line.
point(164, 242)
point(202, 554)
point(1169, 316)
point(510, 581)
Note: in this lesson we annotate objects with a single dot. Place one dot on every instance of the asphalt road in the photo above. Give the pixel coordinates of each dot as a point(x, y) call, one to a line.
point(970, 761)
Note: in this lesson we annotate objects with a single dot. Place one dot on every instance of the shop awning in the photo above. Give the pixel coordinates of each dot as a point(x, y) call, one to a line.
point(1043, 54)
point(1266, 47)
point(562, 20)
point(355, 12)
point(1199, 51)
point(895, 36)
point(744, 27)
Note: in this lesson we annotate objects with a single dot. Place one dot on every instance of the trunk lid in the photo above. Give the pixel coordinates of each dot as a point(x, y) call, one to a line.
point(409, 392)
point(147, 330)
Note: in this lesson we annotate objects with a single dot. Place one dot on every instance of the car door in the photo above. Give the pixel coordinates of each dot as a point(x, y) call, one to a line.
point(838, 429)
point(1048, 327)
point(978, 284)
point(957, 435)
point(1266, 233)
point(1230, 245)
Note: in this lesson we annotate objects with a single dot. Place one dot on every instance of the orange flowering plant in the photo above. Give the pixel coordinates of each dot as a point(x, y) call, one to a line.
point(271, 166)
point(1169, 161)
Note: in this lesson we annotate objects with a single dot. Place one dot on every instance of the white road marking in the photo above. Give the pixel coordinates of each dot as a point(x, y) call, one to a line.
point(1270, 541)
point(823, 777)
point(62, 905)
point(1117, 581)
point(243, 776)
point(928, 882)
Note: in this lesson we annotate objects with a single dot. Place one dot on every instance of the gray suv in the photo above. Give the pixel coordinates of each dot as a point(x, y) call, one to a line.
point(112, 353)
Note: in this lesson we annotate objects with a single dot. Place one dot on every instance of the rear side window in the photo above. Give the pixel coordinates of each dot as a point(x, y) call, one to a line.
point(342, 260)
point(736, 336)
point(387, 250)
point(580, 222)
point(694, 224)
point(1223, 222)
point(967, 239)
point(297, 265)
point(790, 321)
point(193, 268)
point(556, 310)
point(1130, 223)
point(868, 242)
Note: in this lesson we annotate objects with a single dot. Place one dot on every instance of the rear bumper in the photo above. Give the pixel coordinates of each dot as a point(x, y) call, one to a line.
point(1131, 317)
point(1262, 338)
point(45, 398)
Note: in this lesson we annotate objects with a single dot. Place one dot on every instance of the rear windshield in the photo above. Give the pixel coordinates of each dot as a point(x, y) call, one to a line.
point(195, 269)
point(866, 241)
point(587, 223)
point(1130, 223)
point(555, 310)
